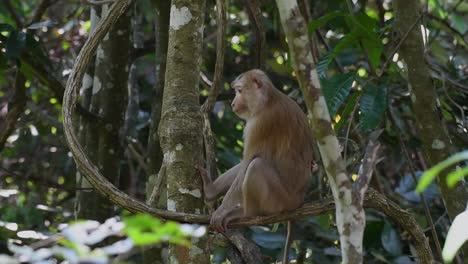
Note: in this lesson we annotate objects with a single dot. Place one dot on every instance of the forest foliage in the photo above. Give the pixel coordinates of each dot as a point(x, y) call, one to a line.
point(364, 80)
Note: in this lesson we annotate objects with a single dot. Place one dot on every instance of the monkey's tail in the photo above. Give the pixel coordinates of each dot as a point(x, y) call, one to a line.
point(287, 245)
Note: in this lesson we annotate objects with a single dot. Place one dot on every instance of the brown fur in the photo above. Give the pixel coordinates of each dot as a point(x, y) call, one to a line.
point(274, 173)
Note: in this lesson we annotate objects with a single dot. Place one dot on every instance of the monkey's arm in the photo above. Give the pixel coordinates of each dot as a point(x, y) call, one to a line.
point(214, 189)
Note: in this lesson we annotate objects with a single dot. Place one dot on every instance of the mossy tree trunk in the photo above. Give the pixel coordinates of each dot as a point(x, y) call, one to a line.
point(109, 100)
point(437, 145)
point(180, 128)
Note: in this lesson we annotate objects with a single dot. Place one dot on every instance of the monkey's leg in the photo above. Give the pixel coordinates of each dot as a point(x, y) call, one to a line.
point(230, 209)
point(214, 189)
point(263, 192)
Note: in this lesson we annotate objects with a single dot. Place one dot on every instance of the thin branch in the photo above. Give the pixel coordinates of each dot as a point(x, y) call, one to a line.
point(155, 193)
point(221, 20)
point(100, 2)
point(368, 162)
point(137, 156)
point(427, 211)
point(255, 17)
point(208, 136)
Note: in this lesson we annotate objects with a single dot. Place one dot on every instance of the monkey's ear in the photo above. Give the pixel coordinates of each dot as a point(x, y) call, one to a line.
point(257, 82)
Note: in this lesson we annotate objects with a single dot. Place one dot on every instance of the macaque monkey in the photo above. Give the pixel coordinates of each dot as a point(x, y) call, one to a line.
point(274, 173)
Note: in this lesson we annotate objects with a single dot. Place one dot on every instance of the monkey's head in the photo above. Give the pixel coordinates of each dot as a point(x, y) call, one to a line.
point(252, 89)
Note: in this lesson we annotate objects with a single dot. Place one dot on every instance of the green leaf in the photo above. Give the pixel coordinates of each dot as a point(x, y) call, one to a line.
point(336, 90)
point(456, 176)
point(430, 174)
point(367, 28)
point(373, 106)
point(374, 49)
point(459, 23)
point(456, 237)
point(322, 65)
point(15, 44)
point(314, 25)
point(146, 230)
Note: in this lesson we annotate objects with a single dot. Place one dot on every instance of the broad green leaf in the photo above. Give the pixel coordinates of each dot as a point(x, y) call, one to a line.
point(373, 106)
point(430, 174)
point(336, 90)
point(459, 23)
point(146, 230)
point(314, 25)
point(456, 237)
point(324, 221)
point(367, 28)
point(456, 176)
point(15, 44)
point(322, 65)
point(373, 47)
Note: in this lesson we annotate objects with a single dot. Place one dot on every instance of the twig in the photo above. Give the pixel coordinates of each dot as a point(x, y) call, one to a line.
point(157, 186)
point(460, 108)
point(208, 136)
point(255, 17)
point(423, 199)
point(367, 166)
point(138, 157)
point(397, 47)
point(345, 148)
point(221, 20)
point(100, 2)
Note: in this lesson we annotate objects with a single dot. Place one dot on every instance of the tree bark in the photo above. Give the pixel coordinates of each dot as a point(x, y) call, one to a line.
point(109, 101)
point(180, 129)
point(437, 145)
point(154, 155)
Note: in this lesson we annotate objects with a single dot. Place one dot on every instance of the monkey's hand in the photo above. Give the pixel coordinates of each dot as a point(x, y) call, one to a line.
point(204, 176)
point(219, 220)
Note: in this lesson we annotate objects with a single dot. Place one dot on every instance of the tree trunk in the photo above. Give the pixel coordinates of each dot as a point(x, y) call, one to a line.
point(432, 130)
point(155, 156)
point(109, 100)
point(180, 129)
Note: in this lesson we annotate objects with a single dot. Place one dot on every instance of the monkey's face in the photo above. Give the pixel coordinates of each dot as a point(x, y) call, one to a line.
point(239, 104)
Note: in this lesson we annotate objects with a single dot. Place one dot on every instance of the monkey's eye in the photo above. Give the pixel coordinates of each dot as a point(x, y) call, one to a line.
point(239, 90)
